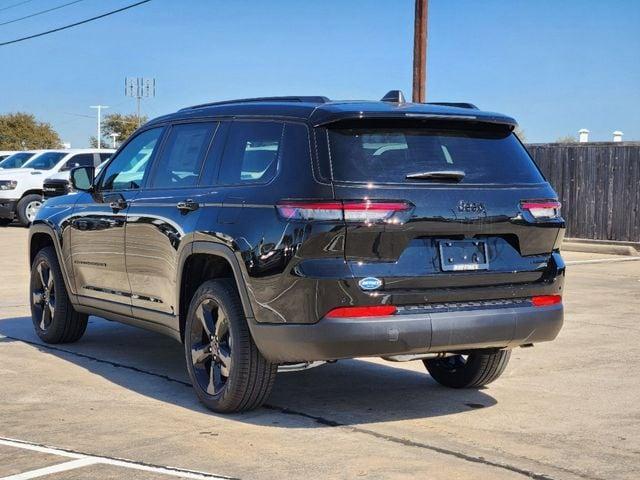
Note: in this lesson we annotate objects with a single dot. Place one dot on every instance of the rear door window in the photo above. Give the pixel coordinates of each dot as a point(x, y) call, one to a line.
point(180, 162)
point(80, 160)
point(387, 154)
point(251, 152)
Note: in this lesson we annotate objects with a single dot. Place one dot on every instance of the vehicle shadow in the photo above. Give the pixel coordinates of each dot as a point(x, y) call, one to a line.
point(351, 392)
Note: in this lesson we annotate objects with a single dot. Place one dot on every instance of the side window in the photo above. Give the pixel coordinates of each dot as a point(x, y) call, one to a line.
point(181, 158)
point(251, 152)
point(127, 170)
point(105, 156)
point(80, 160)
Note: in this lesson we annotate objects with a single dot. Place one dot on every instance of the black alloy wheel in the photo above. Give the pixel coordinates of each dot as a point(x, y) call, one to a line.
point(210, 343)
point(228, 372)
point(43, 296)
point(54, 318)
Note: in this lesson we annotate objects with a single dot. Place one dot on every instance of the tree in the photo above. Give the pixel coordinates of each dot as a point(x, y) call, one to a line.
point(21, 131)
point(520, 134)
point(567, 139)
point(122, 124)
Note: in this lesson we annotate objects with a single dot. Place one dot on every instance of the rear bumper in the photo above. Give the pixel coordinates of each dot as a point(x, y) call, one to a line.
point(336, 338)
point(7, 208)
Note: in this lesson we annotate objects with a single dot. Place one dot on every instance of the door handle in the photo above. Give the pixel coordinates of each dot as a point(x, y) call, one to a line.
point(187, 206)
point(119, 204)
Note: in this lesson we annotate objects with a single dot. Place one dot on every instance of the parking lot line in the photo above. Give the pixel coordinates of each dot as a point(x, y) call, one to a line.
point(83, 460)
point(60, 467)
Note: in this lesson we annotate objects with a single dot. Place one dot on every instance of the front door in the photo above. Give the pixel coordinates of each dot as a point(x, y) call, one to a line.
point(97, 240)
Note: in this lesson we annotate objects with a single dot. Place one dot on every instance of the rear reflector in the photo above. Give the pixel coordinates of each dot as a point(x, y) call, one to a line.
point(542, 208)
point(373, 311)
point(546, 300)
point(366, 211)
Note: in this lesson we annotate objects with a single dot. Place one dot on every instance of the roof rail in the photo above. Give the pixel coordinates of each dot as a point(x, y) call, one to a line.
point(302, 99)
point(454, 104)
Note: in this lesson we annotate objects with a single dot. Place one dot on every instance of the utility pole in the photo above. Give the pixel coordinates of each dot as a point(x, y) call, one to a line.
point(99, 136)
point(420, 51)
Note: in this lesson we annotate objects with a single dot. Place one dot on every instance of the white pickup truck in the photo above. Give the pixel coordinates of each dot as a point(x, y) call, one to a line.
point(21, 188)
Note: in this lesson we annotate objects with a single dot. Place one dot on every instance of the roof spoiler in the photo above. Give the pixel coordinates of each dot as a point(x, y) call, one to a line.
point(427, 116)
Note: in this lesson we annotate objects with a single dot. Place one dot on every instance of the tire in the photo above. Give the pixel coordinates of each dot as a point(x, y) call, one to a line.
point(26, 208)
point(228, 372)
point(54, 318)
point(5, 222)
point(474, 371)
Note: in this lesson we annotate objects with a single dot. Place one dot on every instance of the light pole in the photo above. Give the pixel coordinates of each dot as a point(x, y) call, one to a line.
point(113, 136)
point(99, 107)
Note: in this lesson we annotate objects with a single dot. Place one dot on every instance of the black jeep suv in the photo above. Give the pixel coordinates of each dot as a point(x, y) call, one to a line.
point(277, 231)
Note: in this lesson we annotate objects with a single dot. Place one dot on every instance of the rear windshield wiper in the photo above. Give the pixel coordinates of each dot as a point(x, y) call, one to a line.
point(451, 175)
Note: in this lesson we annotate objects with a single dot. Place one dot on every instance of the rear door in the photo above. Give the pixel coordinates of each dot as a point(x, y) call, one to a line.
point(460, 193)
point(163, 217)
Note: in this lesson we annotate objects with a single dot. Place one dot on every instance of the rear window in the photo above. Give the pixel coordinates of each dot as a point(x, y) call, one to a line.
point(388, 154)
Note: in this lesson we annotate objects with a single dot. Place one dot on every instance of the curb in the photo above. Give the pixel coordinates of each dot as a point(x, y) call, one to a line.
point(602, 248)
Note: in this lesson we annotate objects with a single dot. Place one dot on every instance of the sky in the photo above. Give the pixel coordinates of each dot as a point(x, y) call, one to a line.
point(556, 66)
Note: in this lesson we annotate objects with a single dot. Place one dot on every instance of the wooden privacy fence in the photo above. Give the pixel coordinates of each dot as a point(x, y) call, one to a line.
point(598, 185)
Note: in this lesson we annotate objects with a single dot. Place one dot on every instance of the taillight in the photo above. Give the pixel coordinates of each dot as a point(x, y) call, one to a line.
point(546, 300)
point(364, 211)
point(542, 209)
point(356, 312)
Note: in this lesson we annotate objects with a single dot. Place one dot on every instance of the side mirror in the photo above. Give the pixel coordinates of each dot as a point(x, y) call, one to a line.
point(82, 178)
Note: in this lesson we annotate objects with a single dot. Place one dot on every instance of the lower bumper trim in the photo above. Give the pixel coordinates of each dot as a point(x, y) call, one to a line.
point(336, 338)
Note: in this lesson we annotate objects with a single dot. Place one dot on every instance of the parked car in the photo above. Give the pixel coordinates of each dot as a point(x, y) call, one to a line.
point(278, 231)
point(5, 153)
point(17, 159)
point(60, 184)
point(21, 188)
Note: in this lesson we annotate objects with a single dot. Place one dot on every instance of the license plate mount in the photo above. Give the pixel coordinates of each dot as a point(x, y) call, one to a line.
point(463, 255)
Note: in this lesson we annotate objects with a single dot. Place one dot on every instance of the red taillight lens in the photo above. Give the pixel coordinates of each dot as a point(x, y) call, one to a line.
point(541, 209)
point(372, 311)
point(366, 211)
point(546, 300)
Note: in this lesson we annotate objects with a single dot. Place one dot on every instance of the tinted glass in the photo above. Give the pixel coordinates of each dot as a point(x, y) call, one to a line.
point(127, 170)
point(16, 160)
point(105, 157)
point(251, 152)
point(45, 161)
point(81, 160)
point(491, 155)
point(180, 162)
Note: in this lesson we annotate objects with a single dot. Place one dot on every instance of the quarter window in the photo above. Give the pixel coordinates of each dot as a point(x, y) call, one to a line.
point(127, 170)
point(251, 152)
point(180, 162)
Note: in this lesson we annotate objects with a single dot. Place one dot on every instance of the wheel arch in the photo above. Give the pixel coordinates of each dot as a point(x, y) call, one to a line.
point(41, 236)
point(207, 261)
point(33, 191)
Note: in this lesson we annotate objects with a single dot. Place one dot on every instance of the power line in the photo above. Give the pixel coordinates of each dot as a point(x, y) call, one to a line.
point(74, 24)
point(15, 5)
point(41, 12)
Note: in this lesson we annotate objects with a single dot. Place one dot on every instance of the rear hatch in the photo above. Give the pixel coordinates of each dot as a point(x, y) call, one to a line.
point(456, 207)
